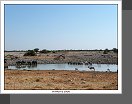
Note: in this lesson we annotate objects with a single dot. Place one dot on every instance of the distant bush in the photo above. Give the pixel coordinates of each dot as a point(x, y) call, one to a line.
point(30, 53)
point(53, 52)
point(44, 51)
point(115, 50)
point(106, 51)
point(36, 50)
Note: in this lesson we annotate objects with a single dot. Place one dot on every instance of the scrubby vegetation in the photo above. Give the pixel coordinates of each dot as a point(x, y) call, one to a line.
point(106, 51)
point(30, 53)
point(44, 51)
point(36, 50)
point(115, 50)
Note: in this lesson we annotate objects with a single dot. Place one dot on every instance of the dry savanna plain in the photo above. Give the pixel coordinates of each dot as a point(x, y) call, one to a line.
point(61, 79)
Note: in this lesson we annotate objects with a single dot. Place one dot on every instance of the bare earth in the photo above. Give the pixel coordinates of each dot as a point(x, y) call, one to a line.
point(60, 80)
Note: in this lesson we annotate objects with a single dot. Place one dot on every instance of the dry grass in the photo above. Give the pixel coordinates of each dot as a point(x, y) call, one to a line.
point(57, 80)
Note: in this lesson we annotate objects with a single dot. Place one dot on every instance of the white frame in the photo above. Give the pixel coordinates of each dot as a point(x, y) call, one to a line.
point(119, 91)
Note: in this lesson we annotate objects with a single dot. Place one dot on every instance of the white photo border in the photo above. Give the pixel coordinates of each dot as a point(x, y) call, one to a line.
point(119, 91)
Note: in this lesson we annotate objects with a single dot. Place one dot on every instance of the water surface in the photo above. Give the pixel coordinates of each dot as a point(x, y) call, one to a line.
point(98, 67)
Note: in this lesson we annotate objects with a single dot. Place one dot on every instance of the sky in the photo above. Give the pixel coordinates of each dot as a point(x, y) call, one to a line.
point(58, 27)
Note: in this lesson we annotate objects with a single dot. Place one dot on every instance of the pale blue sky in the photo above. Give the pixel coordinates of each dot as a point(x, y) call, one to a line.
point(60, 27)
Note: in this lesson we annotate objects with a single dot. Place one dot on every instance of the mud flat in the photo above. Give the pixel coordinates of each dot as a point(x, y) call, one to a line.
point(60, 80)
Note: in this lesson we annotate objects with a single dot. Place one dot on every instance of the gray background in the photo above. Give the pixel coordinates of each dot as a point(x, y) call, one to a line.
point(124, 98)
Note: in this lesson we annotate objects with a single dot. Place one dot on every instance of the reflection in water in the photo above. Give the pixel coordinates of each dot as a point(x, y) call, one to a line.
point(25, 66)
point(32, 66)
point(98, 67)
point(20, 66)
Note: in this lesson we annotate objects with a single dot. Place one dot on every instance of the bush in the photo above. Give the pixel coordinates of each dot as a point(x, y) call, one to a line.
point(106, 51)
point(44, 51)
point(115, 50)
point(36, 50)
point(30, 53)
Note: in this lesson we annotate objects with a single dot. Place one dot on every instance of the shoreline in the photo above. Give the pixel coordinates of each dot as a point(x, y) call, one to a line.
point(94, 57)
point(64, 70)
point(13, 62)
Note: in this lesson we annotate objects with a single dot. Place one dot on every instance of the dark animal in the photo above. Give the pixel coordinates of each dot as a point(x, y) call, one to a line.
point(76, 69)
point(91, 68)
point(34, 62)
point(89, 63)
point(23, 62)
point(29, 63)
point(18, 62)
point(108, 70)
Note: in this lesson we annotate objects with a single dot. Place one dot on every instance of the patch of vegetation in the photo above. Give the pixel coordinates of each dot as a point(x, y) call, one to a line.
point(115, 50)
point(36, 50)
point(9, 55)
point(106, 51)
point(44, 51)
point(30, 53)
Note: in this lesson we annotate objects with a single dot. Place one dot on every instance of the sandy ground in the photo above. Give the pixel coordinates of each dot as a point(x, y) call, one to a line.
point(60, 80)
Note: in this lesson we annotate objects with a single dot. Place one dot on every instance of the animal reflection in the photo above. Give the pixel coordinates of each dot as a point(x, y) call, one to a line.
point(24, 64)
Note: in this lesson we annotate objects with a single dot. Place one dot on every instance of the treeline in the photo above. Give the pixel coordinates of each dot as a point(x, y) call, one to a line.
point(114, 49)
point(36, 50)
point(106, 51)
point(47, 51)
point(15, 51)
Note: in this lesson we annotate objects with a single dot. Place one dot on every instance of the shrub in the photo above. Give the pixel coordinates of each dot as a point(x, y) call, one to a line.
point(106, 51)
point(30, 53)
point(115, 50)
point(44, 51)
point(36, 50)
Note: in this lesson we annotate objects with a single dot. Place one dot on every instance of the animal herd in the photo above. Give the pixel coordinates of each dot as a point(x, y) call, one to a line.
point(26, 62)
point(80, 63)
point(34, 62)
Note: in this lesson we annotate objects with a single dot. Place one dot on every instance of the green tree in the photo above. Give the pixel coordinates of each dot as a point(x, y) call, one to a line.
point(106, 51)
point(30, 53)
point(36, 50)
point(44, 51)
point(115, 50)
